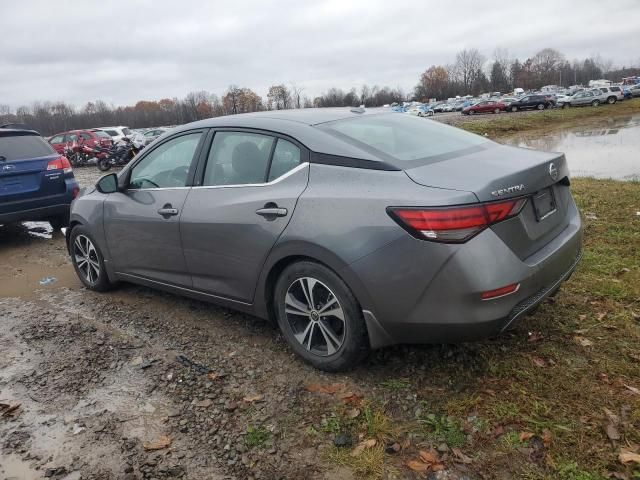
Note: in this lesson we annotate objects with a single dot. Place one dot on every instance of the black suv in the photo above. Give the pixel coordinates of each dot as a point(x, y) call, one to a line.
point(529, 102)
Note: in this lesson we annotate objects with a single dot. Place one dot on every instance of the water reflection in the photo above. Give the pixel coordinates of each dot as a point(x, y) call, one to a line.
point(608, 149)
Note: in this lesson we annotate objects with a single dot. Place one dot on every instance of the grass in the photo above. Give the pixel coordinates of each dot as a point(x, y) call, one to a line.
point(507, 124)
point(482, 396)
point(256, 437)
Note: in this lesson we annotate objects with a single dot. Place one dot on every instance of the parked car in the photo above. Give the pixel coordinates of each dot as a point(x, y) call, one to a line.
point(508, 100)
point(90, 138)
point(635, 91)
point(36, 182)
point(420, 111)
point(580, 99)
point(529, 102)
point(448, 107)
point(612, 94)
point(116, 133)
point(485, 106)
point(350, 228)
point(151, 135)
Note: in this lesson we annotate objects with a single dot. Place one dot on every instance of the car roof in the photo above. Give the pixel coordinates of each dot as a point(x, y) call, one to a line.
point(298, 124)
point(8, 132)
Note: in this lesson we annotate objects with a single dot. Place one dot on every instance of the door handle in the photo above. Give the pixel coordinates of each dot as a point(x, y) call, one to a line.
point(272, 212)
point(168, 211)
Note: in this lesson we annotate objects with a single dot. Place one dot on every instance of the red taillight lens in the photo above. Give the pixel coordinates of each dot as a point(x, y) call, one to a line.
point(60, 163)
point(454, 224)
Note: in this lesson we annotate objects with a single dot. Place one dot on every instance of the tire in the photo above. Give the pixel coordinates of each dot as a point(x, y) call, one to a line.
point(611, 100)
point(326, 342)
point(496, 111)
point(472, 112)
point(514, 109)
point(566, 105)
point(540, 106)
point(104, 164)
point(60, 221)
point(595, 103)
point(80, 250)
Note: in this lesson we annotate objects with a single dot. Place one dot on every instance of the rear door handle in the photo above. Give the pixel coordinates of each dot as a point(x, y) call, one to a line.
point(272, 212)
point(168, 211)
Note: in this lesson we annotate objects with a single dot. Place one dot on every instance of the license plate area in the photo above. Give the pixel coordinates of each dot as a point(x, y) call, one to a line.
point(544, 204)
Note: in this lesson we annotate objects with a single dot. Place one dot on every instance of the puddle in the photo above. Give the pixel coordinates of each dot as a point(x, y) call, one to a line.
point(13, 468)
point(607, 149)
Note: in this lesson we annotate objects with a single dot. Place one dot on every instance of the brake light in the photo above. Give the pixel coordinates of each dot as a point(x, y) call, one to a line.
point(454, 224)
point(500, 292)
point(60, 163)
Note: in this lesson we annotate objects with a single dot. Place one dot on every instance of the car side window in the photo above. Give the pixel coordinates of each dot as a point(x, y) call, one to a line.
point(286, 157)
point(57, 139)
point(238, 158)
point(166, 166)
point(85, 136)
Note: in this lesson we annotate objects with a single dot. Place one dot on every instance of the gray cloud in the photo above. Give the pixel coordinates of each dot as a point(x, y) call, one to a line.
point(122, 50)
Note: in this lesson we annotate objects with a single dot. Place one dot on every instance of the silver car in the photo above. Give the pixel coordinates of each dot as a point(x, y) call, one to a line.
point(350, 229)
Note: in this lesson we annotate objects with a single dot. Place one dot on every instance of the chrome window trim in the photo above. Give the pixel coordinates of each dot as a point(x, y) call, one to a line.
point(265, 184)
point(302, 166)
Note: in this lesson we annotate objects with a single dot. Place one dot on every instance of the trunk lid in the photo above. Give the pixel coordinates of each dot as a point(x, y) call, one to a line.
point(500, 172)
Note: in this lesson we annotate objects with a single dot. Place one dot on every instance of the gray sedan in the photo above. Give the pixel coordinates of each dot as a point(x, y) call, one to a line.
point(350, 229)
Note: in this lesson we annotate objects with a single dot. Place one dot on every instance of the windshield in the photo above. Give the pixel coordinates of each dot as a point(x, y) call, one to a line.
point(401, 137)
point(102, 134)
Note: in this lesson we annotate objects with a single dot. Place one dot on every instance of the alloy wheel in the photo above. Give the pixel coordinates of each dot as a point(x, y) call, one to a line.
point(315, 316)
point(86, 259)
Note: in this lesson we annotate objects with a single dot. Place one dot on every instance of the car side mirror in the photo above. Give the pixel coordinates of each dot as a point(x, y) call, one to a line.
point(108, 183)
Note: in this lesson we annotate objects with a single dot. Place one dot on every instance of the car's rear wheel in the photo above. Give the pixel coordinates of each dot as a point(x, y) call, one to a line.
point(59, 221)
point(104, 164)
point(320, 317)
point(595, 103)
point(611, 100)
point(496, 111)
point(472, 112)
point(540, 106)
point(566, 105)
point(514, 109)
point(87, 260)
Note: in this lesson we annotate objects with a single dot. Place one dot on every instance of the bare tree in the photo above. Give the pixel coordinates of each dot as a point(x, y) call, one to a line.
point(468, 63)
point(296, 95)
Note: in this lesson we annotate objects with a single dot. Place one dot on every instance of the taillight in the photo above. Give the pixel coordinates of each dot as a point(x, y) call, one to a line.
point(454, 224)
point(60, 163)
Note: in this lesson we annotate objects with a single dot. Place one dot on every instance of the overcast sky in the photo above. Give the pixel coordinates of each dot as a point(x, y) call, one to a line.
point(124, 51)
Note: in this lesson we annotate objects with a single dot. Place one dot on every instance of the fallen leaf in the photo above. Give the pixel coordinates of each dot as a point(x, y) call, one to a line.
point(539, 362)
point(498, 431)
point(362, 446)
point(461, 457)
point(206, 403)
point(613, 418)
point(585, 342)
point(353, 413)
point(546, 438)
point(632, 389)
point(253, 398)
point(524, 436)
point(612, 432)
point(535, 337)
point(328, 389)
point(393, 448)
point(601, 316)
point(350, 398)
point(428, 456)
point(582, 317)
point(161, 442)
point(11, 410)
point(622, 271)
point(213, 376)
point(436, 467)
point(635, 356)
point(418, 466)
point(627, 456)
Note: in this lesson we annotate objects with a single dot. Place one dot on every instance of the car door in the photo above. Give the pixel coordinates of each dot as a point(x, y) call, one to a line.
point(142, 223)
point(249, 187)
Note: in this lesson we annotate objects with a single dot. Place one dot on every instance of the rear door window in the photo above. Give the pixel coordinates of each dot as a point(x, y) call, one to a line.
point(238, 158)
point(57, 139)
point(286, 157)
point(615, 89)
point(23, 147)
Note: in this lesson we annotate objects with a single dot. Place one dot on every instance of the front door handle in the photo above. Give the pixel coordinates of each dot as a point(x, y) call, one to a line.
point(272, 212)
point(168, 211)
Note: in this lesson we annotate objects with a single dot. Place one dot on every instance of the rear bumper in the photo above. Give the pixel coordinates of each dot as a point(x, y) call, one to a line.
point(431, 293)
point(38, 208)
point(32, 214)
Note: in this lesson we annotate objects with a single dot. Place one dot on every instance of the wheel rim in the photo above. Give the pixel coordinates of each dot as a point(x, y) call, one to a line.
point(86, 259)
point(315, 316)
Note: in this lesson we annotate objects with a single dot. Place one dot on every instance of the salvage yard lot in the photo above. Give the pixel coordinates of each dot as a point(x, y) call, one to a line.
point(141, 384)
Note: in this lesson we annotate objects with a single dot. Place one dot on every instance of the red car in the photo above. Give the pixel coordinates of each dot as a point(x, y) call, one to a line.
point(90, 138)
point(485, 106)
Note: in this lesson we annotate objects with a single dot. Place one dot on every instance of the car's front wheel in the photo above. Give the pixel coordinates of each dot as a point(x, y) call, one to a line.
point(611, 100)
point(320, 317)
point(540, 106)
point(595, 103)
point(514, 109)
point(87, 260)
point(566, 105)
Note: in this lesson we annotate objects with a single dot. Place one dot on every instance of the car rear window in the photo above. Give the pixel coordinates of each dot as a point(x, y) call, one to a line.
point(615, 89)
point(403, 137)
point(126, 131)
point(102, 134)
point(22, 147)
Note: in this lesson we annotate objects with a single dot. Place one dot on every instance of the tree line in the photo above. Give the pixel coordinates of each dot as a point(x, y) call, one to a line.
point(471, 73)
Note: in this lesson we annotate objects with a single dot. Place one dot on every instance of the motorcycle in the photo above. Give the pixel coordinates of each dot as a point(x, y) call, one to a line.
point(80, 154)
point(118, 155)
